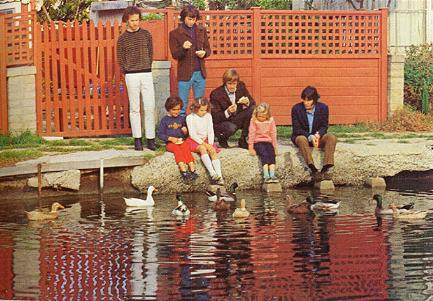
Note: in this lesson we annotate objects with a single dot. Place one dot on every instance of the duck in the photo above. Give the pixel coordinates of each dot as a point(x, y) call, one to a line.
point(241, 212)
point(181, 209)
point(44, 214)
point(381, 211)
point(136, 202)
point(322, 204)
point(406, 215)
point(220, 204)
point(301, 208)
point(229, 196)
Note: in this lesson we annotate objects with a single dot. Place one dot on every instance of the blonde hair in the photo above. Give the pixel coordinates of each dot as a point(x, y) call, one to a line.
point(229, 75)
point(200, 102)
point(262, 108)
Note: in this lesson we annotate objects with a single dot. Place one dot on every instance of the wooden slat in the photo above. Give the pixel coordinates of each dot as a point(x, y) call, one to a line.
point(62, 166)
point(71, 84)
point(79, 75)
point(95, 82)
point(3, 80)
point(63, 111)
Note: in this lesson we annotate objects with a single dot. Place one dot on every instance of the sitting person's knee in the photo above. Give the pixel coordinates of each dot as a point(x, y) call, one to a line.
point(301, 140)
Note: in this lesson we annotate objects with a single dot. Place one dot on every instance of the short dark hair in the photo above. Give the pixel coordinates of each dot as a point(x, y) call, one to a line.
point(173, 101)
point(198, 102)
point(310, 93)
point(189, 11)
point(129, 11)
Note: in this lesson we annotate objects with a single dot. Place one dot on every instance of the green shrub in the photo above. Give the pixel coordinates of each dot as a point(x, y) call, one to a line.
point(418, 77)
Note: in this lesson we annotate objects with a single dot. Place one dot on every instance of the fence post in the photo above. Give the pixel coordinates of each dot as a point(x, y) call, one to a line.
point(3, 81)
point(383, 94)
point(256, 63)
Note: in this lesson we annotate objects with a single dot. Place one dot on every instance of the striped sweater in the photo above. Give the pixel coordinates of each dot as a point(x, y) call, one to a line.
point(135, 51)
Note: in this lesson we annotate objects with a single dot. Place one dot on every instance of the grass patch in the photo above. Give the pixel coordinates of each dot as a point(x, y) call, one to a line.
point(403, 141)
point(18, 155)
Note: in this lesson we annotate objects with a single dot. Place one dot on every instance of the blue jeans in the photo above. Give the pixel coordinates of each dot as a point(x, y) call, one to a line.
point(198, 83)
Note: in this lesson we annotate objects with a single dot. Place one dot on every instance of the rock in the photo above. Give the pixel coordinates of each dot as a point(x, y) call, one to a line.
point(69, 179)
point(324, 185)
point(354, 162)
point(375, 182)
point(272, 187)
point(214, 188)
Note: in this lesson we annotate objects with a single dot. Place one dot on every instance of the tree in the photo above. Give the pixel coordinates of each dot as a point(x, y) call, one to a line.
point(63, 10)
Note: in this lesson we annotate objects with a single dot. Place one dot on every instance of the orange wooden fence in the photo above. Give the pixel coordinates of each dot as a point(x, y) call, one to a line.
point(80, 91)
point(16, 48)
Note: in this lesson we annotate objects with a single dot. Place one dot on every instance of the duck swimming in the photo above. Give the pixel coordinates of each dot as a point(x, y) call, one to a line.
point(229, 196)
point(322, 204)
point(301, 208)
point(381, 211)
point(220, 204)
point(136, 202)
point(241, 212)
point(407, 215)
point(44, 214)
point(181, 209)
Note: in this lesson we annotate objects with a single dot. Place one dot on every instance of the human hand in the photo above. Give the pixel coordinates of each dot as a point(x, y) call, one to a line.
point(252, 151)
point(232, 108)
point(200, 53)
point(172, 139)
point(184, 130)
point(244, 100)
point(315, 140)
point(187, 45)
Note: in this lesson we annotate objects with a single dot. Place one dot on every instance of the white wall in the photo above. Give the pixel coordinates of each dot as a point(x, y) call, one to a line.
point(16, 6)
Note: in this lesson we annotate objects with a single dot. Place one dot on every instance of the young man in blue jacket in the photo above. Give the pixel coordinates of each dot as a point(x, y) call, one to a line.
point(310, 128)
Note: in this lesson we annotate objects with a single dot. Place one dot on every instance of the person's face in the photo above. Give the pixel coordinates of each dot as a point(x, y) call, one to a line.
point(190, 21)
point(261, 117)
point(174, 111)
point(202, 111)
point(308, 104)
point(232, 85)
point(133, 22)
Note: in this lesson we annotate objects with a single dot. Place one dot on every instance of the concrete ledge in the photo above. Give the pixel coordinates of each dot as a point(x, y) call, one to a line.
point(21, 71)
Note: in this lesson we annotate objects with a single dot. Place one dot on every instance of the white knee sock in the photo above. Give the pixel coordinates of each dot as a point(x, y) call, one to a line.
point(208, 164)
point(217, 166)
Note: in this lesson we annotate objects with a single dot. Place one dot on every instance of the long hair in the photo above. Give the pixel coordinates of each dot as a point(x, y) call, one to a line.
point(262, 108)
point(199, 102)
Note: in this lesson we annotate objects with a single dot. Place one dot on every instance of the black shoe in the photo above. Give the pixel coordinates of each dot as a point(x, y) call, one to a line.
point(185, 176)
point(243, 143)
point(151, 144)
point(193, 175)
point(137, 144)
point(317, 176)
point(222, 142)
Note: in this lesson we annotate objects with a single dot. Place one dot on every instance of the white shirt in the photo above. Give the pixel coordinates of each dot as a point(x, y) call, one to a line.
point(200, 128)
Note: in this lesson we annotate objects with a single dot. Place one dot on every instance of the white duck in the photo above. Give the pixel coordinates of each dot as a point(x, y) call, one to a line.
point(136, 202)
point(322, 204)
point(241, 212)
point(181, 209)
point(229, 196)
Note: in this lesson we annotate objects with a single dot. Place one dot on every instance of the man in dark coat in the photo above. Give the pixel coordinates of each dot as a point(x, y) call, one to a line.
point(310, 128)
point(232, 108)
point(189, 45)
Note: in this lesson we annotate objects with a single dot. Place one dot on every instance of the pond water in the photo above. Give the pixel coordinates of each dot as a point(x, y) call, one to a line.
point(100, 250)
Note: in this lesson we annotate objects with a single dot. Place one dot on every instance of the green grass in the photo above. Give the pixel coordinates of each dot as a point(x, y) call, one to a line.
point(18, 155)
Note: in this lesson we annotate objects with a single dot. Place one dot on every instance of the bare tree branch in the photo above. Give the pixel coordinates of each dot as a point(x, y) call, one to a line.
point(353, 4)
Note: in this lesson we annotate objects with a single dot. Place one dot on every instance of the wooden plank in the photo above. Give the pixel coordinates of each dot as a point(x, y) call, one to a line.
point(349, 82)
point(79, 75)
point(102, 103)
point(63, 166)
point(3, 79)
point(110, 63)
point(323, 63)
point(94, 46)
point(359, 71)
point(71, 83)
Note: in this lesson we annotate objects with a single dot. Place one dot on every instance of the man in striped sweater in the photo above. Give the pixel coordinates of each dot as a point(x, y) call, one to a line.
point(135, 55)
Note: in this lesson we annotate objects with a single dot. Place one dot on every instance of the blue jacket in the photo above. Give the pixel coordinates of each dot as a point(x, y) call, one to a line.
point(300, 121)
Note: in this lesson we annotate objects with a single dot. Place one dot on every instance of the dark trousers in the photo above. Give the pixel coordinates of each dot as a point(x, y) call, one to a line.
point(240, 120)
point(327, 143)
point(266, 152)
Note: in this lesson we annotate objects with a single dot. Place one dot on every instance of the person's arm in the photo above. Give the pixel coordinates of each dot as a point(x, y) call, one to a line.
point(120, 55)
point(274, 133)
point(210, 132)
point(324, 121)
point(162, 130)
point(150, 47)
point(218, 112)
point(176, 47)
point(246, 93)
point(296, 124)
point(192, 131)
point(206, 45)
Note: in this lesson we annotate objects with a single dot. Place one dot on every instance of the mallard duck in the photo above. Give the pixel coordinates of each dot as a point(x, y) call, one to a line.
point(181, 209)
point(229, 196)
point(322, 204)
point(44, 214)
point(241, 212)
point(301, 208)
point(381, 211)
point(220, 204)
point(408, 214)
point(136, 202)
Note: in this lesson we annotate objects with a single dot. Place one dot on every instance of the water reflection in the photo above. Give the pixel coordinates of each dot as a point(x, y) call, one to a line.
point(98, 249)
